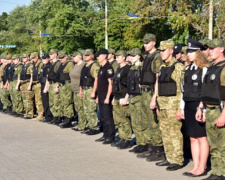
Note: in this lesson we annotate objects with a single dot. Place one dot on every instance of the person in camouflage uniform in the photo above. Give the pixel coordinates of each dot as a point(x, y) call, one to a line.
point(212, 109)
point(120, 102)
point(3, 64)
point(15, 94)
point(5, 97)
point(169, 96)
point(25, 84)
point(88, 86)
point(75, 83)
point(111, 59)
point(64, 89)
point(36, 85)
point(54, 98)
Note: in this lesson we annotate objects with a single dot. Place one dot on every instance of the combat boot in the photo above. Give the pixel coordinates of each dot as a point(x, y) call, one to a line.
point(117, 143)
point(66, 123)
point(146, 154)
point(141, 149)
point(124, 145)
point(40, 117)
point(158, 154)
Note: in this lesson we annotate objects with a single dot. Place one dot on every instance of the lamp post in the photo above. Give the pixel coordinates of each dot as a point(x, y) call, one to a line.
point(106, 25)
point(211, 19)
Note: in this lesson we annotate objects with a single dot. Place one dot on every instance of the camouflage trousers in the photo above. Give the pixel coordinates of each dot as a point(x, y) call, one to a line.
point(66, 96)
point(171, 136)
point(90, 109)
point(16, 97)
point(38, 100)
point(216, 138)
point(153, 133)
point(5, 98)
point(28, 97)
point(54, 101)
point(139, 126)
point(78, 104)
point(121, 118)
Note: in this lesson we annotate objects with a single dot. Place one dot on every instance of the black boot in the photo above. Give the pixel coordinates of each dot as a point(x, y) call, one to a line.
point(124, 145)
point(66, 123)
point(116, 143)
point(158, 154)
point(151, 150)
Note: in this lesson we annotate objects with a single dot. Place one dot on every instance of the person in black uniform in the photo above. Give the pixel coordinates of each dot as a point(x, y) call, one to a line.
point(104, 96)
point(45, 87)
point(192, 97)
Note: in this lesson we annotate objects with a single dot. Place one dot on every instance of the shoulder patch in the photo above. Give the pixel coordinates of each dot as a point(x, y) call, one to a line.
point(110, 71)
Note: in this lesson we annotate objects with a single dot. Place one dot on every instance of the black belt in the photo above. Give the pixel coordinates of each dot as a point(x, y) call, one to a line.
point(145, 89)
point(35, 83)
point(24, 82)
point(87, 87)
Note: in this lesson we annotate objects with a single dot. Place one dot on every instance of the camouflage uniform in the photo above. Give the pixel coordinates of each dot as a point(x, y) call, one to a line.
point(36, 86)
point(27, 96)
point(170, 127)
point(89, 105)
point(16, 95)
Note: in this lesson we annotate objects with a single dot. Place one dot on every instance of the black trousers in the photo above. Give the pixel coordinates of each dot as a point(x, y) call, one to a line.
point(45, 100)
point(106, 118)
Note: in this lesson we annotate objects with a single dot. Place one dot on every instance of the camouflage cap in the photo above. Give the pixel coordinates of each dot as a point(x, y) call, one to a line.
point(217, 43)
point(111, 51)
point(205, 42)
point(87, 52)
point(9, 56)
point(62, 54)
point(148, 38)
point(33, 55)
point(135, 51)
point(76, 53)
point(166, 44)
point(15, 56)
point(25, 55)
point(121, 53)
point(52, 51)
point(184, 49)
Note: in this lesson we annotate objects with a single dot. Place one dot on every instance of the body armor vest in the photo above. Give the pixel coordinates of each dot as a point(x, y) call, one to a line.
point(11, 72)
point(134, 81)
point(52, 74)
point(62, 77)
point(15, 75)
point(35, 72)
point(148, 77)
point(24, 75)
point(86, 79)
point(166, 85)
point(44, 72)
point(192, 85)
point(212, 91)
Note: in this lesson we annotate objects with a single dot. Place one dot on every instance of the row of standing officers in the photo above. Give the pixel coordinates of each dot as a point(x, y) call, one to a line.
point(144, 97)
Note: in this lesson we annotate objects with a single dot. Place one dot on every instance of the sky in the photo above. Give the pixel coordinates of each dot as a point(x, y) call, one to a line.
point(9, 5)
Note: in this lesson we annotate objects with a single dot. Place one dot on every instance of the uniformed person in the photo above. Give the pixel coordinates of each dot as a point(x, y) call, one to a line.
point(88, 87)
point(111, 59)
point(169, 95)
point(177, 53)
point(206, 43)
point(120, 102)
point(36, 86)
point(45, 87)
point(54, 98)
point(5, 97)
point(152, 137)
point(64, 89)
point(212, 110)
point(75, 74)
point(104, 96)
point(3, 64)
point(15, 94)
point(25, 84)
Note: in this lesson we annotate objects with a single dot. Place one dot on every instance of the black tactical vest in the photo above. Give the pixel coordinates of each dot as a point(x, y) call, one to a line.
point(86, 79)
point(148, 77)
point(63, 76)
point(6, 72)
point(44, 72)
point(24, 75)
point(15, 76)
point(166, 85)
point(52, 74)
point(133, 82)
point(35, 72)
point(212, 91)
point(192, 84)
point(11, 72)
point(120, 82)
